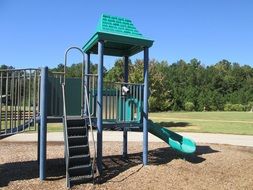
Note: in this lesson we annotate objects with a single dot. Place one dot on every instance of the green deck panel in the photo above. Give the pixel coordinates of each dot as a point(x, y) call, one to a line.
point(120, 36)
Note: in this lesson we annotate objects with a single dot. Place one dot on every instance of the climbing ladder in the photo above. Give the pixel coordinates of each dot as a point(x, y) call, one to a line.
point(78, 161)
point(79, 165)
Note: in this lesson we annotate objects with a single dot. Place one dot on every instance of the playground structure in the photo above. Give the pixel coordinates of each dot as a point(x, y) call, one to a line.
point(32, 97)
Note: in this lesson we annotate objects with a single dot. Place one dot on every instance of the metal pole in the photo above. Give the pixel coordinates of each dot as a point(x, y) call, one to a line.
point(100, 105)
point(125, 129)
point(43, 122)
point(87, 81)
point(145, 109)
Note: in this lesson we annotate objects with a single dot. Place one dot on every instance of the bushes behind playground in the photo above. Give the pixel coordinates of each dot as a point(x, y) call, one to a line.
point(238, 107)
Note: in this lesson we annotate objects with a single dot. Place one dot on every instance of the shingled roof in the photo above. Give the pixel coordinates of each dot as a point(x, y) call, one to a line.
point(120, 36)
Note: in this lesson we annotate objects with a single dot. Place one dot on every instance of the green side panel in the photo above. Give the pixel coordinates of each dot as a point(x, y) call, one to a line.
point(73, 96)
point(55, 103)
point(176, 141)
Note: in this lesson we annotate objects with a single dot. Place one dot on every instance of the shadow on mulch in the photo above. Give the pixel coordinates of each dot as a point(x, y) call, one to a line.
point(29, 170)
point(113, 165)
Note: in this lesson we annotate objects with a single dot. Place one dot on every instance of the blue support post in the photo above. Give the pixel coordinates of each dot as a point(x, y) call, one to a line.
point(100, 106)
point(145, 108)
point(86, 78)
point(43, 122)
point(125, 130)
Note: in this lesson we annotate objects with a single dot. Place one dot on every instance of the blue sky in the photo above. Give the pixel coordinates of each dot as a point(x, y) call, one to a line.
point(36, 33)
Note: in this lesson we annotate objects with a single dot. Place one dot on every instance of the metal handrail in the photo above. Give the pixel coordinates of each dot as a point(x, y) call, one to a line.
point(92, 133)
point(65, 68)
point(128, 83)
point(65, 132)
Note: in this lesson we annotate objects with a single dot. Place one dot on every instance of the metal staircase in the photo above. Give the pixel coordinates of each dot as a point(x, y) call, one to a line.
point(80, 168)
point(78, 160)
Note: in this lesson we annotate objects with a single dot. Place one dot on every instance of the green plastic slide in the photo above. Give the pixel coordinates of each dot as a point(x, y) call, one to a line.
point(173, 139)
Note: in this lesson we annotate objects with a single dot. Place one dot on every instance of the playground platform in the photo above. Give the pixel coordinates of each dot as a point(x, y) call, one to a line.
point(116, 136)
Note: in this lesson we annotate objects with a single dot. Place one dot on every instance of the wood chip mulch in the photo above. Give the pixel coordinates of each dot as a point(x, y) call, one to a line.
point(212, 167)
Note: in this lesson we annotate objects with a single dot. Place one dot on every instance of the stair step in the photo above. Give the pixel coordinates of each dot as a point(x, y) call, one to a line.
point(80, 179)
point(77, 131)
point(79, 160)
point(78, 150)
point(80, 170)
point(78, 140)
point(75, 122)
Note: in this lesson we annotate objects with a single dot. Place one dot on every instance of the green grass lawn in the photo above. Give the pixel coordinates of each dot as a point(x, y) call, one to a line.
point(199, 122)
point(207, 122)
point(54, 127)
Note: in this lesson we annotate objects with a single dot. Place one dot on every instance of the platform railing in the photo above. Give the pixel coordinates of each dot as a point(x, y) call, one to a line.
point(121, 101)
point(19, 100)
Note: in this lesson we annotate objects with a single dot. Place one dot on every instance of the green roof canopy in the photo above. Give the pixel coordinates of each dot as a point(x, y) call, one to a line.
point(120, 36)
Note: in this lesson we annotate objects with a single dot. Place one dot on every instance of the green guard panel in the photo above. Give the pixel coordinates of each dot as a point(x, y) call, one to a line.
point(73, 97)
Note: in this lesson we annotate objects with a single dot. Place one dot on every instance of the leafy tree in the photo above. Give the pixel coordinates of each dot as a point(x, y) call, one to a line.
point(116, 73)
point(6, 67)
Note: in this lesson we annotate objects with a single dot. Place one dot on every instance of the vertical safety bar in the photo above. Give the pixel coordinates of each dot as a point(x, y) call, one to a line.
point(6, 101)
point(12, 100)
point(24, 98)
point(125, 129)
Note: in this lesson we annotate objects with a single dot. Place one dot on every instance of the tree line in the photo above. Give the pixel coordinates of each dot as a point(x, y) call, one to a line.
point(182, 86)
